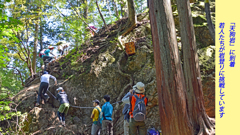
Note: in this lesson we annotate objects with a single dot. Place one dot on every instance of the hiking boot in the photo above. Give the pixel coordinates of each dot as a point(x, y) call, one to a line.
point(63, 123)
point(37, 104)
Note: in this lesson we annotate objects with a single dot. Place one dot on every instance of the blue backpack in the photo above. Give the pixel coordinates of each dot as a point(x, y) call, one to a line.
point(139, 112)
point(153, 131)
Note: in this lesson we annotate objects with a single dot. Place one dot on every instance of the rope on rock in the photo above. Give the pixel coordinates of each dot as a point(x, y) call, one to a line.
point(80, 106)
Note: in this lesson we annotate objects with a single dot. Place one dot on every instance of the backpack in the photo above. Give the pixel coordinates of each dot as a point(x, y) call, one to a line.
point(153, 131)
point(42, 53)
point(139, 112)
point(99, 122)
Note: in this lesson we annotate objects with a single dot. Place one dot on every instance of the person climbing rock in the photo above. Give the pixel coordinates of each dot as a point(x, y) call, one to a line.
point(46, 57)
point(138, 103)
point(126, 110)
point(95, 116)
point(63, 109)
point(44, 87)
point(62, 47)
point(91, 28)
point(106, 114)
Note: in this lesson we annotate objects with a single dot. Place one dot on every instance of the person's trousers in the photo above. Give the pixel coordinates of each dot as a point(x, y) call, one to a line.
point(137, 126)
point(62, 111)
point(126, 127)
point(61, 116)
point(95, 129)
point(42, 92)
point(107, 127)
point(63, 108)
point(61, 52)
point(48, 58)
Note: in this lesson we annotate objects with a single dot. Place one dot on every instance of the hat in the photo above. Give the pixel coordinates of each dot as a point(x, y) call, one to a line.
point(60, 88)
point(45, 72)
point(50, 47)
point(139, 87)
point(96, 101)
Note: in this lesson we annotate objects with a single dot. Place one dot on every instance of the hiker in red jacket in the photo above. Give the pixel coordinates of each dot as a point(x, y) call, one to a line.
point(138, 103)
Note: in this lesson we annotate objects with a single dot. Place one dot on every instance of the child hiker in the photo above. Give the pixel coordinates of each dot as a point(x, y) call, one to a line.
point(63, 109)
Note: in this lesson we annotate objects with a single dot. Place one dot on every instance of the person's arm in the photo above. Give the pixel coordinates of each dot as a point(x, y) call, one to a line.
point(102, 112)
point(146, 101)
point(125, 99)
point(93, 112)
point(54, 78)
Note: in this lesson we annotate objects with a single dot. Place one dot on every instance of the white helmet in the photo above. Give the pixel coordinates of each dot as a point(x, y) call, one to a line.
point(60, 88)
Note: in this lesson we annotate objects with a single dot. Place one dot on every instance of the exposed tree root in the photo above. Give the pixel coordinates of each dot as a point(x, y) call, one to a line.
point(206, 126)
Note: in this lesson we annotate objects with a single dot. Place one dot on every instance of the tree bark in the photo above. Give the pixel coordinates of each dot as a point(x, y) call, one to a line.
point(209, 20)
point(170, 79)
point(41, 34)
point(35, 48)
point(132, 18)
point(131, 12)
point(101, 14)
point(196, 110)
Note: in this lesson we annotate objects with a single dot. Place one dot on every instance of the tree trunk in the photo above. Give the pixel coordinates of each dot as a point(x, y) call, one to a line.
point(131, 12)
point(196, 110)
point(85, 9)
point(34, 60)
point(209, 20)
point(170, 78)
point(101, 14)
point(41, 34)
point(132, 18)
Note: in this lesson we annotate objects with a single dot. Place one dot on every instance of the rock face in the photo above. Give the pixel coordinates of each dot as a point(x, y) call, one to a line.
point(99, 69)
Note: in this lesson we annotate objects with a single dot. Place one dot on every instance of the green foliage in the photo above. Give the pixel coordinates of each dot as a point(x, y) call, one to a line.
point(9, 113)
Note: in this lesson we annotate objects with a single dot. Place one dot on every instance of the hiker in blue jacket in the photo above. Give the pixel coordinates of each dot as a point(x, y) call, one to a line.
point(46, 57)
point(44, 87)
point(106, 114)
point(63, 109)
point(126, 110)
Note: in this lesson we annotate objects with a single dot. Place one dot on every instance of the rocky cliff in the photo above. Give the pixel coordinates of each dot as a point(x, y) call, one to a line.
point(102, 67)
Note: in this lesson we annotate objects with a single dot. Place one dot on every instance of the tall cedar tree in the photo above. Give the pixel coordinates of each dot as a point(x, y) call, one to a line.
point(181, 109)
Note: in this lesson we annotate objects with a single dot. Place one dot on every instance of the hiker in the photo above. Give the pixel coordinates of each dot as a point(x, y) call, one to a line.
point(62, 47)
point(44, 87)
point(138, 103)
point(126, 110)
point(96, 126)
point(45, 56)
point(63, 109)
point(91, 28)
point(106, 114)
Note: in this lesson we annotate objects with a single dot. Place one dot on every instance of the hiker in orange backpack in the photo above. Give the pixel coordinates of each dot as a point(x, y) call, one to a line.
point(138, 103)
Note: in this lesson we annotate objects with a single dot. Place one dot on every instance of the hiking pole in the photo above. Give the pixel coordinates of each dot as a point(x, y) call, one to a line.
point(51, 94)
point(116, 102)
point(80, 107)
